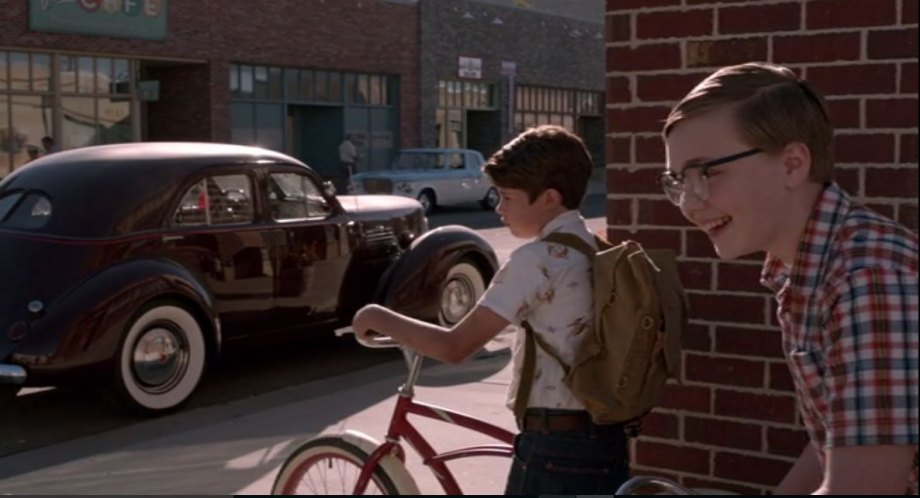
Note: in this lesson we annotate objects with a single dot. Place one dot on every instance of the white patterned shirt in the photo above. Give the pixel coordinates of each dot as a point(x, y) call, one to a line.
point(550, 286)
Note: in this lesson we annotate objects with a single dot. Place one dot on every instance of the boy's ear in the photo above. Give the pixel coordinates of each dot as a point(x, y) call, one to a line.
point(797, 163)
point(553, 197)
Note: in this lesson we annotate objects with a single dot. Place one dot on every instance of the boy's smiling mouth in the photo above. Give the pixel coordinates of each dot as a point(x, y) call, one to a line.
point(712, 226)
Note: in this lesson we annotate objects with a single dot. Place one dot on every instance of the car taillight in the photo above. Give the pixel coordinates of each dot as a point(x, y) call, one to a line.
point(17, 331)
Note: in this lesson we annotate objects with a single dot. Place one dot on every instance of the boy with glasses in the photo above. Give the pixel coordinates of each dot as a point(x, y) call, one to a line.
point(749, 162)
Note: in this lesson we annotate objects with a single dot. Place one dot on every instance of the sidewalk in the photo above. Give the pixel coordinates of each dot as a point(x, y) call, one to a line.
point(237, 448)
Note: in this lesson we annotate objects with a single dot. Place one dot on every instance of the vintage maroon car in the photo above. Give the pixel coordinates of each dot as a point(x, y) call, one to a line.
point(134, 264)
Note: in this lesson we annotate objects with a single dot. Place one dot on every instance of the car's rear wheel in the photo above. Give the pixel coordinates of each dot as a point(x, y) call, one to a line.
point(426, 199)
point(490, 200)
point(161, 359)
point(462, 289)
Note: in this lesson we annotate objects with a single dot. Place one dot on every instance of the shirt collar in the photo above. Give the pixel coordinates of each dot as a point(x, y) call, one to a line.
point(564, 220)
point(814, 246)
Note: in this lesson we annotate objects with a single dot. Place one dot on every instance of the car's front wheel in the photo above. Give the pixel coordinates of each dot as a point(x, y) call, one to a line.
point(462, 289)
point(161, 359)
point(490, 200)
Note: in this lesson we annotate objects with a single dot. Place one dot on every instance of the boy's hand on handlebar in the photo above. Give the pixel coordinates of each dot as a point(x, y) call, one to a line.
point(366, 322)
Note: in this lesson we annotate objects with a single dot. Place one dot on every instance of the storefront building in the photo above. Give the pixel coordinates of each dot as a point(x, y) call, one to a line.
point(288, 75)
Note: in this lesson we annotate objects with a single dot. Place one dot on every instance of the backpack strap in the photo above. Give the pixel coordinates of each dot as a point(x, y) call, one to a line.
point(573, 241)
point(529, 368)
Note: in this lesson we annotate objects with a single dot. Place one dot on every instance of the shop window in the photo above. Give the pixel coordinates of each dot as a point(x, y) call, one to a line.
point(4, 72)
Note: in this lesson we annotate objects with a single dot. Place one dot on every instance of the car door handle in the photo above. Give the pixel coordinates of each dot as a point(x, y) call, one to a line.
point(172, 238)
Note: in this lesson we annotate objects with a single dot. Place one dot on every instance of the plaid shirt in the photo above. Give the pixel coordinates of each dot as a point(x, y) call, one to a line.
point(848, 310)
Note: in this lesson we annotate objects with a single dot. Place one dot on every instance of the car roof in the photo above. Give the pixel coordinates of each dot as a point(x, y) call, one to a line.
point(186, 153)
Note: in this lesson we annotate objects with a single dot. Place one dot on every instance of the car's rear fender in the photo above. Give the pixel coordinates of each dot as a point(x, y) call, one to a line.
point(82, 329)
point(412, 285)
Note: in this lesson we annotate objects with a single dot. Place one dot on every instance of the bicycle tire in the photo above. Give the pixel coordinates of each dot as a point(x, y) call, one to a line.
point(345, 460)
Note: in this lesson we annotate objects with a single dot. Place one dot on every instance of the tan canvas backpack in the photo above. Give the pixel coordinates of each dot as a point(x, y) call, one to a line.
point(640, 312)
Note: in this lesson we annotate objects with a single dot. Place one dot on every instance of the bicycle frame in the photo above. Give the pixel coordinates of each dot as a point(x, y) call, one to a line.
point(401, 427)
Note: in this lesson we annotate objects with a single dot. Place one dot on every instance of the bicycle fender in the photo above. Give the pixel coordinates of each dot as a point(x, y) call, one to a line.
point(395, 468)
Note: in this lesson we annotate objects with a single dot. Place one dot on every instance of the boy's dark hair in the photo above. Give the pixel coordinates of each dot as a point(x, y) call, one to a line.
point(543, 157)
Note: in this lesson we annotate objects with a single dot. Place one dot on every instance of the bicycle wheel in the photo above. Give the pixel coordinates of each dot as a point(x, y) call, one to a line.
point(330, 466)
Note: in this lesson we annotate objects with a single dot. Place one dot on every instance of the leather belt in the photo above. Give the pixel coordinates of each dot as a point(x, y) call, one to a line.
point(576, 421)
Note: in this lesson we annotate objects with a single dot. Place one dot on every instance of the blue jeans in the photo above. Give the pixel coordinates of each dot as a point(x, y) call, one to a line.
point(567, 463)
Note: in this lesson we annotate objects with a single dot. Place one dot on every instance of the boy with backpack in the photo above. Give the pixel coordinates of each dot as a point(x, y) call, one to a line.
point(749, 161)
point(542, 176)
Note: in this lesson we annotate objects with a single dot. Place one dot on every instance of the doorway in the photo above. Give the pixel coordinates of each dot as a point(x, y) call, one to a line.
point(316, 134)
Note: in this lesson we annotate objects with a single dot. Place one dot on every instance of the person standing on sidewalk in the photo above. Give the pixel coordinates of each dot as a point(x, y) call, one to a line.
point(348, 157)
point(541, 177)
point(749, 161)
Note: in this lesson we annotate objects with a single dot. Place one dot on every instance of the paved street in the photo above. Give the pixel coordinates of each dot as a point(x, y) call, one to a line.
point(250, 413)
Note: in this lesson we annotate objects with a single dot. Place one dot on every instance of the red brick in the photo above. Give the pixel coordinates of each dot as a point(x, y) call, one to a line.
point(908, 78)
point(672, 457)
point(739, 277)
point(725, 52)
point(674, 24)
point(703, 484)
point(619, 150)
point(699, 245)
point(643, 58)
point(864, 148)
point(882, 209)
point(696, 337)
point(907, 216)
point(655, 239)
point(640, 181)
point(908, 153)
point(786, 442)
point(829, 14)
point(749, 342)
point(891, 113)
point(722, 433)
point(893, 44)
point(722, 308)
point(760, 18)
point(820, 48)
point(618, 5)
point(780, 378)
point(637, 119)
point(686, 398)
point(619, 212)
point(908, 11)
point(848, 179)
point(750, 469)
point(618, 91)
point(650, 150)
point(844, 113)
point(853, 79)
point(660, 214)
point(618, 28)
point(696, 275)
point(724, 371)
point(755, 406)
point(661, 425)
point(667, 87)
point(891, 182)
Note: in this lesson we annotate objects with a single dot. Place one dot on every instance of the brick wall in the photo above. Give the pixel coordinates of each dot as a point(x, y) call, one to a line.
point(733, 423)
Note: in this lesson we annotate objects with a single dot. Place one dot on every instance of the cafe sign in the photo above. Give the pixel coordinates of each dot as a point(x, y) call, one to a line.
point(119, 18)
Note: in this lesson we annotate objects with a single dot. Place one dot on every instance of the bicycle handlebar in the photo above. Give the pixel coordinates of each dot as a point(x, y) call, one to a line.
point(376, 341)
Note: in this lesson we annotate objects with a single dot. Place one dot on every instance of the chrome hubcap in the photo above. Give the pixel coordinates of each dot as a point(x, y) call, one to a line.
point(425, 201)
point(457, 298)
point(160, 358)
point(492, 198)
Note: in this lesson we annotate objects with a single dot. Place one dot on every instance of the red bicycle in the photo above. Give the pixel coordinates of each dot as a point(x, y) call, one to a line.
point(355, 463)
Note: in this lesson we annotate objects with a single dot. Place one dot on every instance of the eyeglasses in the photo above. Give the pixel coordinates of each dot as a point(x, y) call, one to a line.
point(675, 185)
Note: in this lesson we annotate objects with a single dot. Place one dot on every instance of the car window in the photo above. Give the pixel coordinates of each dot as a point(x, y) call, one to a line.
point(216, 200)
point(455, 160)
point(25, 210)
point(294, 196)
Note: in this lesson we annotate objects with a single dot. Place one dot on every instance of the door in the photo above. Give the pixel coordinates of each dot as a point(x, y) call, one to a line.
point(216, 235)
point(311, 250)
point(317, 134)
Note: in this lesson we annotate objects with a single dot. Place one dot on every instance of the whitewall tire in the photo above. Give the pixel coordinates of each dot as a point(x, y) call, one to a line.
point(462, 289)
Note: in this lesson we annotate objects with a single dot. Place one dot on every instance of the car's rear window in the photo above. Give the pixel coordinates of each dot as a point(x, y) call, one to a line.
point(24, 210)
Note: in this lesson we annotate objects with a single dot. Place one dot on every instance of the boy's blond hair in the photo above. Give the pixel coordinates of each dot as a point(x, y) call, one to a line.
point(773, 108)
point(540, 158)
